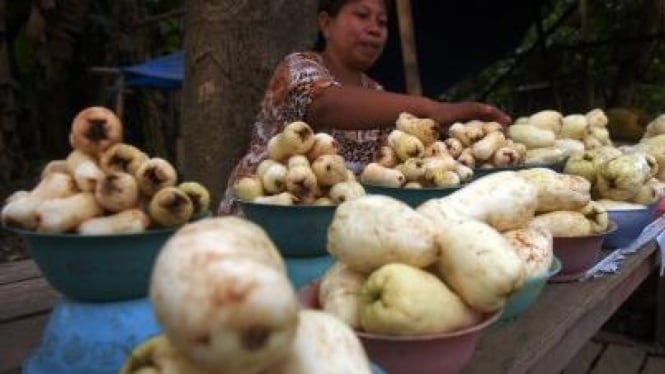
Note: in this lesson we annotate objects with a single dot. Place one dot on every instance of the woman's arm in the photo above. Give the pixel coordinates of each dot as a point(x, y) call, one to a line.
point(356, 108)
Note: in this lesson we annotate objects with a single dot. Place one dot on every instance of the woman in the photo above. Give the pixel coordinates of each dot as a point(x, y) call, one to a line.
point(328, 89)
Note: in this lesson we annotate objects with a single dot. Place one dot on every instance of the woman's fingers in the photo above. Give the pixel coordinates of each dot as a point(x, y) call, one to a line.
point(493, 114)
point(448, 113)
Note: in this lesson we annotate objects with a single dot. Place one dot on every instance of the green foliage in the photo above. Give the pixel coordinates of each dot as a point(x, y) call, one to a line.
point(24, 53)
point(115, 33)
point(579, 68)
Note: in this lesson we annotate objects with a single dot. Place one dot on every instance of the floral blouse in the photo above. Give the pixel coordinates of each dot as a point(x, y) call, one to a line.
point(296, 82)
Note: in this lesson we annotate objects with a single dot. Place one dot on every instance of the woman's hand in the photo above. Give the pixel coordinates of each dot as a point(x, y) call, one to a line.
point(448, 113)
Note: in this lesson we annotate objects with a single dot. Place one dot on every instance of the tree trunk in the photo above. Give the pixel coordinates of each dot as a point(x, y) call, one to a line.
point(59, 52)
point(12, 163)
point(231, 48)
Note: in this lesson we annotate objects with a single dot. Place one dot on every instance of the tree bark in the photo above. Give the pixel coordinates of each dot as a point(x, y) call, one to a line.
point(231, 48)
point(59, 53)
point(12, 163)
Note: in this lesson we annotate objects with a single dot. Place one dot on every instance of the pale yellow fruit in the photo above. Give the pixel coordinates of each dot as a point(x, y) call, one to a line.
point(65, 214)
point(170, 207)
point(284, 198)
point(547, 120)
point(339, 293)
point(477, 262)
point(297, 137)
point(375, 230)
point(436, 149)
point(406, 146)
point(454, 146)
point(399, 299)
point(425, 129)
point(274, 179)
point(155, 174)
point(485, 147)
point(324, 144)
point(301, 182)
point(158, 356)
point(220, 293)
point(128, 221)
point(534, 245)
point(345, 191)
point(117, 191)
point(574, 126)
point(504, 200)
point(558, 191)
point(329, 170)
point(386, 157)
point(378, 175)
point(323, 344)
point(248, 188)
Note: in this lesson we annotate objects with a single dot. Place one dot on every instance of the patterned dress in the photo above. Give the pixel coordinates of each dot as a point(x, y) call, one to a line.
point(296, 82)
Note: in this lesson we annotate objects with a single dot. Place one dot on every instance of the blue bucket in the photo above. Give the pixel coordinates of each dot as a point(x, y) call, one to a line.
point(83, 338)
point(631, 222)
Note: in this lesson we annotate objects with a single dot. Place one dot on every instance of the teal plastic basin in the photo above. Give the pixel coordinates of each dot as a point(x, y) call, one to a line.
point(411, 196)
point(296, 230)
point(525, 296)
point(304, 270)
point(97, 267)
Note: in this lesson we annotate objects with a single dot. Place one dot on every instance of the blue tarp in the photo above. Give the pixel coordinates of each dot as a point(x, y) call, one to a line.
point(163, 72)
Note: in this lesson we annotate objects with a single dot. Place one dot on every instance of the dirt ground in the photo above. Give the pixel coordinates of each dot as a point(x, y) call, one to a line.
point(12, 247)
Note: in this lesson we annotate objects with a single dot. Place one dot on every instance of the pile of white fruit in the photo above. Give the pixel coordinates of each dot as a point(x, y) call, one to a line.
point(565, 207)
point(415, 158)
point(220, 291)
point(480, 144)
point(550, 137)
point(301, 168)
point(628, 173)
point(441, 267)
point(104, 186)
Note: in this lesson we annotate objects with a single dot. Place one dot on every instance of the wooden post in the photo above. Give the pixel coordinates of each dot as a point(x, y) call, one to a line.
point(120, 96)
point(408, 43)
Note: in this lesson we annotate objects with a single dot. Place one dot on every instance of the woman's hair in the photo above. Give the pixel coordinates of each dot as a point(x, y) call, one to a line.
point(332, 7)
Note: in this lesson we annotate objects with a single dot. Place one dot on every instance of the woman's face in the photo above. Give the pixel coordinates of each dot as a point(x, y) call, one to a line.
point(357, 34)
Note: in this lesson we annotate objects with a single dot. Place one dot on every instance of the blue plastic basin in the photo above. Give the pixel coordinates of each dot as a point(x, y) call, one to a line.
point(84, 338)
point(630, 225)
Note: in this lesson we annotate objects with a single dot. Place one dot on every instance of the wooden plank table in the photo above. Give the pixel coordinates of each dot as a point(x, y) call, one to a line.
point(26, 300)
point(542, 340)
point(565, 316)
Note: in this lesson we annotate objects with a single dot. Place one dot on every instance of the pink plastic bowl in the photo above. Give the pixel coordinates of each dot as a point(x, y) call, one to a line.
point(444, 353)
point(578, 254)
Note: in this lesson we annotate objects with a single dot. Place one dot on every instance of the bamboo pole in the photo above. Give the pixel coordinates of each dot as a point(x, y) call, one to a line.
point(408, 43)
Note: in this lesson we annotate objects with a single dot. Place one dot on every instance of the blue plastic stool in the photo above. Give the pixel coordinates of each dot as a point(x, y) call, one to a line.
point(302, 270)
point(92, 337)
